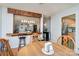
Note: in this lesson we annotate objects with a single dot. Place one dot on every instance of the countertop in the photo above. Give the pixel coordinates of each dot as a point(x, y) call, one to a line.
point(20, 34)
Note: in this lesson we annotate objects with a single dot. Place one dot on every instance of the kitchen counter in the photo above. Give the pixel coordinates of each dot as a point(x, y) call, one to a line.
point(19, 34)
point(14, 38)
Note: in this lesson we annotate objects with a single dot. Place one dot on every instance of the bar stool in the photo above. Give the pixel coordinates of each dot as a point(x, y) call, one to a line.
point(22, 42)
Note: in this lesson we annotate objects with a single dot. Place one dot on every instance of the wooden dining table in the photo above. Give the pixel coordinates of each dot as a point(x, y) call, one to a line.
point(35, 49)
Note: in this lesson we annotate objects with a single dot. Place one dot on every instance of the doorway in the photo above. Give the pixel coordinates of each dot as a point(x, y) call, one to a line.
point(68, 31)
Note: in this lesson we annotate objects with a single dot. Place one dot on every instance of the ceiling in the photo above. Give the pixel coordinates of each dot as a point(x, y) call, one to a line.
point(47, 9)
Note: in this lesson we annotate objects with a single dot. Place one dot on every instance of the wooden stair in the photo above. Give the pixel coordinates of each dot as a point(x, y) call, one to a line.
point(7, 49)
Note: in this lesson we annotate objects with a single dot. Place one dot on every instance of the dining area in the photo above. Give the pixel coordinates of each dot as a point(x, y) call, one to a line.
point(29, 34)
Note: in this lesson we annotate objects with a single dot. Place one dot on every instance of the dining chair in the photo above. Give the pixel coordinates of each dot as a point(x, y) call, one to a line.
point(5, 49)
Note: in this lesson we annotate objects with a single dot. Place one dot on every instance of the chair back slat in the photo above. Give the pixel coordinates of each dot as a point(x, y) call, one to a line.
point(6, 48)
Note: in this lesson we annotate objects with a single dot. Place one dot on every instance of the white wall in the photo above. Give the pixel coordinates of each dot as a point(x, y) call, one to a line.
point(0, 21)
point(56, 25)
point(7, 22)
point(41, 26)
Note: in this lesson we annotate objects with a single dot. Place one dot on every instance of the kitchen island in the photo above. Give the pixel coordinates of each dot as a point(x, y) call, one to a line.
point(14, 38)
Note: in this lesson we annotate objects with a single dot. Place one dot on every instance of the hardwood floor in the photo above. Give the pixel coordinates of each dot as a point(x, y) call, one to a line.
point(15, 51)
